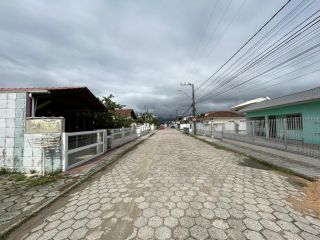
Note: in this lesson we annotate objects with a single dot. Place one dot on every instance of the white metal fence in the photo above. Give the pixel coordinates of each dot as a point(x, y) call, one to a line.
point(292, 133)
point(80, 147)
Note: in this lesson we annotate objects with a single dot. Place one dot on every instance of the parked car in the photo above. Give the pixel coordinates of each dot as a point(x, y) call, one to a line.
point(172, 126)
point(162, 127)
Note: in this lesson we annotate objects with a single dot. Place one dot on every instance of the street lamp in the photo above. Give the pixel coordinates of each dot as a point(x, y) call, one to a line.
point(193, 106)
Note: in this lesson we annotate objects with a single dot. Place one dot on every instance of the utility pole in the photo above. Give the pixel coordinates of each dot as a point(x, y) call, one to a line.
point(193, 106)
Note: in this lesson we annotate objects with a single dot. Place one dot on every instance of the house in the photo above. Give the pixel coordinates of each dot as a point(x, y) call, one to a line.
point(222, 120)
point(76, 105)
point(35, 117)
point(295, 117)
point(128, 113)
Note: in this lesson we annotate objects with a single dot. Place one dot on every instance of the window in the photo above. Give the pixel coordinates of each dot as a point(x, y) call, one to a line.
point(294, 121)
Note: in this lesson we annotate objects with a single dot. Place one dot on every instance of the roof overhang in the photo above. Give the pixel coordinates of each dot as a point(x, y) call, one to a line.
point(69, 98)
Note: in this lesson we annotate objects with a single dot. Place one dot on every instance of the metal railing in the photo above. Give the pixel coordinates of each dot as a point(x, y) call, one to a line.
point(80, 147)
point(291, 133)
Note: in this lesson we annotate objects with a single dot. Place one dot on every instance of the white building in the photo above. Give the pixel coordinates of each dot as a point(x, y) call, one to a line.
point(228, 121)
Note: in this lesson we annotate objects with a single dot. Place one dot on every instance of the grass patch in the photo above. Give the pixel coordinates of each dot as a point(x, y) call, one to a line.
point(47, 178)
point(15, 176)
point(217, 146)
point(11, 175)
point(253, 162)
point(4, 171)
point(41, 180)
point(257, 163)
point(18, 177)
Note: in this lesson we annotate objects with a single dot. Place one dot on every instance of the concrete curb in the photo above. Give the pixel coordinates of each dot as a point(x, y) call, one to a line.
point(92, 172)
point(288, 170)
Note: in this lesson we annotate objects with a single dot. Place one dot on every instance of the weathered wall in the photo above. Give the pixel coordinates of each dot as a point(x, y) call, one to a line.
point(16, 147)
point(32, 156)
point(12, 114)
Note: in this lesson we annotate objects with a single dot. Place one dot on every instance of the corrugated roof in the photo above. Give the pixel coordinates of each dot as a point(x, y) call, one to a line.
point(308, 95)
point(87, 97)
point(31, 89)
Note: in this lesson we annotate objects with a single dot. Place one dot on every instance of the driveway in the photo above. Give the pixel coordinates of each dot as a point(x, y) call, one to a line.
point(173, 186)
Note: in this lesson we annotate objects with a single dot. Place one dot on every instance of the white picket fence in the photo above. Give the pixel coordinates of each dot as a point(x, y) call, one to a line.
point(80, 147)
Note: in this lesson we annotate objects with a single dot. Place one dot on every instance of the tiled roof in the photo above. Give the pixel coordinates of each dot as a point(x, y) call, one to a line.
point(309, 95)
point(221, 114)
point(126, 112)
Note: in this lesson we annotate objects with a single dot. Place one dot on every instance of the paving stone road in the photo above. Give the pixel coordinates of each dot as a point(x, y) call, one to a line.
point(176, 187)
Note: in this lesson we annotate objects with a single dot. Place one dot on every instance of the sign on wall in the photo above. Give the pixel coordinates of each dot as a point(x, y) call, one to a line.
point(44, 125)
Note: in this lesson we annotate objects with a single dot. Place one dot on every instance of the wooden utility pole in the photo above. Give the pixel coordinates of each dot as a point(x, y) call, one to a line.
point(194, 118)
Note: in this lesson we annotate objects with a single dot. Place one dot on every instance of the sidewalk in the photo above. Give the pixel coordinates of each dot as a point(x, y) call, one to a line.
point(19, 202)
point(304, 166)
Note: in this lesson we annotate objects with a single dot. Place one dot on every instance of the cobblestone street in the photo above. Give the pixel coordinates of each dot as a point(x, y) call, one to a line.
point(176, 187)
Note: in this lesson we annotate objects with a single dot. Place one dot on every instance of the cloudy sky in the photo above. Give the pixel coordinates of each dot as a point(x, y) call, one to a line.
point(140, 51)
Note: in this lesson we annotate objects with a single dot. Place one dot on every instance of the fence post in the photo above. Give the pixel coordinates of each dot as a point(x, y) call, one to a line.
point(105, 141)
point(111, 138)
point(222, 131)
point(98, 140)
point(122, 131)
point(285, 134)
point(64, 151)
point(253, 130)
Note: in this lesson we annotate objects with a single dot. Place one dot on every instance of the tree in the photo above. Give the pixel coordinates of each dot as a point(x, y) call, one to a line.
point(107, 120)
point(110, 104)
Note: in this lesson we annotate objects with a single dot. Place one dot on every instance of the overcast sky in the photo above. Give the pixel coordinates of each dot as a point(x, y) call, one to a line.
point(140, 51)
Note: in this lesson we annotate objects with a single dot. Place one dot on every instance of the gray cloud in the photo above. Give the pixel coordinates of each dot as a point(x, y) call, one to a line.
point(138, 50)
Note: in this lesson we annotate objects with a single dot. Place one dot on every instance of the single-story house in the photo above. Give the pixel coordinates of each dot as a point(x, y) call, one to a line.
point(29, 115)
point(295, 116)
point(127, 113)
point(223, 120)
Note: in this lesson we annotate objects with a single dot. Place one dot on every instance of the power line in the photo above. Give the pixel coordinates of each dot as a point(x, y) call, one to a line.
point(290, 59)
point(246, 43)
point(270, 52)
point(233, 66)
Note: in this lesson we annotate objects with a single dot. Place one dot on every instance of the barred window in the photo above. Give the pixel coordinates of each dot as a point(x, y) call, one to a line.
point(294, 121)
